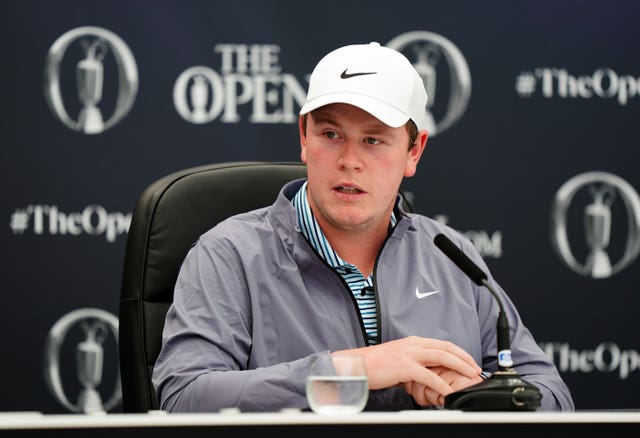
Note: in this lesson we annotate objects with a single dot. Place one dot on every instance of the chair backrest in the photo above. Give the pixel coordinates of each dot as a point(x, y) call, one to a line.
point(168, 218)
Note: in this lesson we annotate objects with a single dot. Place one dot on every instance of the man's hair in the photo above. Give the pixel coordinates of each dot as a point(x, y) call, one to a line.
point(412, 130)
point(410, 126)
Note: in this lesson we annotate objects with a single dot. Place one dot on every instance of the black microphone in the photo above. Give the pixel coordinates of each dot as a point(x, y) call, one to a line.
point(459, 258)
point(480, 278)
point(504, 390)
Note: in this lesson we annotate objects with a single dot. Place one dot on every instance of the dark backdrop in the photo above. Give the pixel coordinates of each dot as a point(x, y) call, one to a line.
point(550, 102)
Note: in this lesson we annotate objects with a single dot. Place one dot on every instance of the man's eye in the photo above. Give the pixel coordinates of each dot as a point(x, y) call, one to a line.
point(371, 140)
point(330, 134)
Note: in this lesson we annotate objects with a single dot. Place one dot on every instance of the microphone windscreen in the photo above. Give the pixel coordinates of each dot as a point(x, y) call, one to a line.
point(460, 259)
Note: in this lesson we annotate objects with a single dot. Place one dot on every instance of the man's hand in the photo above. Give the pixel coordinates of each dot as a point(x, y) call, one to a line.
point(426, 396)
point(418, 361)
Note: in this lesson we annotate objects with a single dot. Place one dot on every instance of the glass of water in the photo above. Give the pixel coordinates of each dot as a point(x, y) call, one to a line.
point(337, 384)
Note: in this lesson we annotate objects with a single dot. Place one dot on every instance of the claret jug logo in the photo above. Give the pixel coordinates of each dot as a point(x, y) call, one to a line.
point(597, 214)
point(95, 331)
point(93, 53)
point(445, 73)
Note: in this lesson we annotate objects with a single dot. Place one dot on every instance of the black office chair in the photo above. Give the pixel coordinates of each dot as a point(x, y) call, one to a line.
point(169, 216)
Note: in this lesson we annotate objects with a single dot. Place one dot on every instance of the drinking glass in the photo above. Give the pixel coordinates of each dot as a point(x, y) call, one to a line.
point(337, 384)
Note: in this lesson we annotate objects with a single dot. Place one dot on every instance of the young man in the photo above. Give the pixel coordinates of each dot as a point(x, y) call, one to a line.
point(336, 266)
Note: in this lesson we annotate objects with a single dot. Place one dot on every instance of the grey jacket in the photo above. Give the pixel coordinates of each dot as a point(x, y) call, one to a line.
point(253, 302)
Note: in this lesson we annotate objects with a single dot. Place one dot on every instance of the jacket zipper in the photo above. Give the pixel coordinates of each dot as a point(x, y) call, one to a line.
point(347, 289)
point(375, 283)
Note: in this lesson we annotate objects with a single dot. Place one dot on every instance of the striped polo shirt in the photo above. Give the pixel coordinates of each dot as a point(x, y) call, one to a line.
point(361, 287)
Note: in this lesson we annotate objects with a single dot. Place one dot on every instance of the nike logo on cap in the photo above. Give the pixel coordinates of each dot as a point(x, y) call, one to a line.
point(346, 75)
point(420, 295)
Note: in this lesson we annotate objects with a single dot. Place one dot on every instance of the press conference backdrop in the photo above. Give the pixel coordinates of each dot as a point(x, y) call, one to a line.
point(533, 155)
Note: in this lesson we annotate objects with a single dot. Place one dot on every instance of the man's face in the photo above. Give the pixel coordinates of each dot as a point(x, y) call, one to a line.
point(355, 164)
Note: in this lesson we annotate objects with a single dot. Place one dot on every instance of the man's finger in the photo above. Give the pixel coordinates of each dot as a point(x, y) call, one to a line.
point(434, 357)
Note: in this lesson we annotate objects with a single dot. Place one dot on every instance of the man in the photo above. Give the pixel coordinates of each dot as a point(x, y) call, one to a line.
point(336, 266)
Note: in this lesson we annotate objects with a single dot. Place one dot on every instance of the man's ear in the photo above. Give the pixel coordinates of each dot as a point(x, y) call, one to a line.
point(415, 153)
point(303, 139)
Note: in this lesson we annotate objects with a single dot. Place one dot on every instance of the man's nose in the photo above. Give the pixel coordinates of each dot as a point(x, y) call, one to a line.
point(350, 157)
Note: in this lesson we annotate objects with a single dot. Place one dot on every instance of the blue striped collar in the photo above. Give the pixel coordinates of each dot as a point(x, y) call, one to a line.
point(311, 230)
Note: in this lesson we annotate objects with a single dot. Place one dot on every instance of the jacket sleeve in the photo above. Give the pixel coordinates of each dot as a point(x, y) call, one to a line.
point(530, 361)
point(206, 343)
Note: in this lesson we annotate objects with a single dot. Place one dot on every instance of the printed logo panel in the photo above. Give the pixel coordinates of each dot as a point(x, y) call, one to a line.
point(97, 45)
point(93, 220)
point(95, 327)
point(439, 62)
point(250, 83)
point(596, 194)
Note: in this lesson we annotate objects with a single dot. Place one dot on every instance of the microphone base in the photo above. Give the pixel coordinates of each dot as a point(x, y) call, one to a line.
point(503, 391)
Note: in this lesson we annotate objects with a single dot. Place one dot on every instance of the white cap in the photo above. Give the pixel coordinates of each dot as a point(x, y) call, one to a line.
point(376, 79)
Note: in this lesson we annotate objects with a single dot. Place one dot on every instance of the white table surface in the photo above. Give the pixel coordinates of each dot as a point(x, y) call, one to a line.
point(36, 420)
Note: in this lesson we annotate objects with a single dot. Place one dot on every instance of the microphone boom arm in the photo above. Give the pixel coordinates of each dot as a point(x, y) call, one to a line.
point(503, 338)
point(504, 390)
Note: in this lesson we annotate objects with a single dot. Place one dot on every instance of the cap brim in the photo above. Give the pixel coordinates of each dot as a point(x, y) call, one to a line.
point(387, 114)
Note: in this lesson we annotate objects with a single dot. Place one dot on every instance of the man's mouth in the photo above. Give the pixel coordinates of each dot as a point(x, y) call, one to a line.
point(349, 190)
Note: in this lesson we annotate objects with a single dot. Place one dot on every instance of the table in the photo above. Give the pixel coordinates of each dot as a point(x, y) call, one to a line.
point(403, 424)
